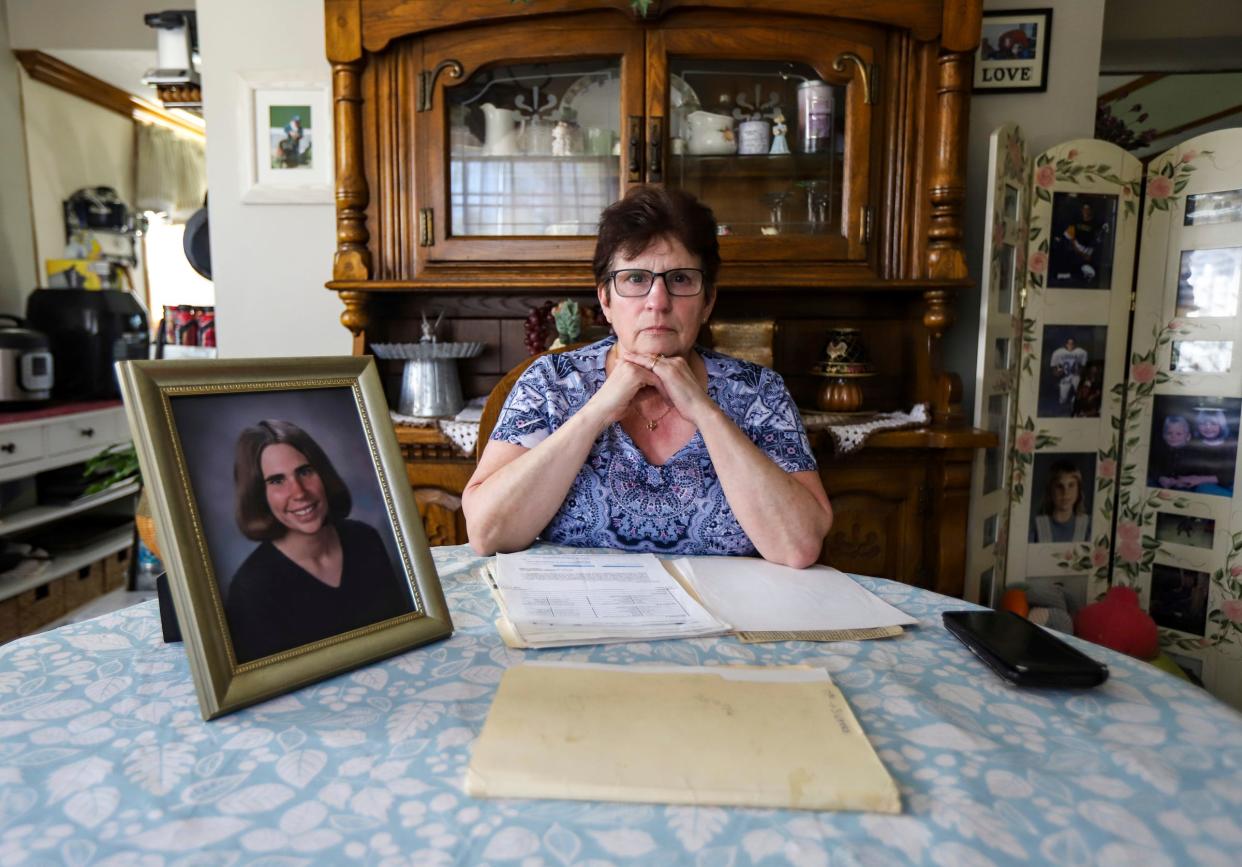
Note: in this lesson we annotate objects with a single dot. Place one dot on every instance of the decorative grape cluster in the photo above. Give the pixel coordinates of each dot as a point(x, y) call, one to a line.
point(536, 328)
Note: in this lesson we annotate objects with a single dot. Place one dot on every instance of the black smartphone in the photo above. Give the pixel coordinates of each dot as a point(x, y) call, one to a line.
point(1021, 652)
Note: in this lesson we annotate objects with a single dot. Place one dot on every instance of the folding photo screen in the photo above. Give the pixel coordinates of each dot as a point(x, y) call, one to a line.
point(1119, 469)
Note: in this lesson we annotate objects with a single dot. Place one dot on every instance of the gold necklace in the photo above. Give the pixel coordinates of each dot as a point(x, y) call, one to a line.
point(653, 423)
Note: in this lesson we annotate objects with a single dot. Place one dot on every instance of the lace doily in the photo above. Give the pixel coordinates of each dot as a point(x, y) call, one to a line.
point(849, 430)
point(462, 429)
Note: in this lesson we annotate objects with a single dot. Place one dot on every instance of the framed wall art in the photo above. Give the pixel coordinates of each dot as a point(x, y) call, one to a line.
point(288, 146)
point(1013, 51)
point(293, 544)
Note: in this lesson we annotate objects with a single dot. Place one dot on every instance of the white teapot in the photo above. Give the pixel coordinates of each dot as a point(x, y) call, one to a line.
point(710, 133)
point(501, 131)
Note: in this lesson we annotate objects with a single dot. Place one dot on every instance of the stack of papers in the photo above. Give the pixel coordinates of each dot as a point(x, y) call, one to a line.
point(768, 602)
point(742, 736)
point(561, 600)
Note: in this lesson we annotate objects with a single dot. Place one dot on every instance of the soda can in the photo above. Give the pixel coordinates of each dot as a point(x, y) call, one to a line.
point(170, 324)
point(207, 326)
point(185, 326)
point(815, 116)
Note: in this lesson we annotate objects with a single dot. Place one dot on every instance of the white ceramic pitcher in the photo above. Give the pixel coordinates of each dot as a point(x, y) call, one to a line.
point(500, 137)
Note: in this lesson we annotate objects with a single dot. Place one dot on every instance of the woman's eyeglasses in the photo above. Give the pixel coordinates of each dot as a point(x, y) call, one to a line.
point(637, 282)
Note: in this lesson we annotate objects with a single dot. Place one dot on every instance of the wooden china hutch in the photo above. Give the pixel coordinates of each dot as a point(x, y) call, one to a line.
point(477, 141)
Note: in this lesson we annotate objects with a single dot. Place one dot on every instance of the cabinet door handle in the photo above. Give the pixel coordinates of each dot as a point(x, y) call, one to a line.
point(8, 448)
point(87, 431)
point(655, 143)
point(636, 149)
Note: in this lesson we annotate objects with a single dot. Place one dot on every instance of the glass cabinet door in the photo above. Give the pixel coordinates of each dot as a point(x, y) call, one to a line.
point(774, 136)
point(533, 148)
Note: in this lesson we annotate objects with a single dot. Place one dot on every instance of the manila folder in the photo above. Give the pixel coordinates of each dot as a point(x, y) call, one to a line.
point(738, 736)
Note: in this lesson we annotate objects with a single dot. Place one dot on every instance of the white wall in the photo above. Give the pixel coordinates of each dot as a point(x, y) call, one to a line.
point(1065, 111)
point(71, 144)
point(269, 262)
point(17, 256)
point(109, 24)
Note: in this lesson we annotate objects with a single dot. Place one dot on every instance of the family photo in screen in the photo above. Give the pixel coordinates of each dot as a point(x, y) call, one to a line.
point(1062, 510)
point(1083, 231)
point(1071, 380)
point(1194, 444)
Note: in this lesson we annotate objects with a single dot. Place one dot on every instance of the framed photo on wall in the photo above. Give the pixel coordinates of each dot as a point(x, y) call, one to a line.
point(293, 544)
point(288, 146)
point(1013, 51)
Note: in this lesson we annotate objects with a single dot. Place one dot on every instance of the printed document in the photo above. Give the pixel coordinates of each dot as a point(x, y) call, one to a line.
point(588, 598)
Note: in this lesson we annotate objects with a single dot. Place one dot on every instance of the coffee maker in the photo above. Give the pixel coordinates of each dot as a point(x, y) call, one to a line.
point(89, 330)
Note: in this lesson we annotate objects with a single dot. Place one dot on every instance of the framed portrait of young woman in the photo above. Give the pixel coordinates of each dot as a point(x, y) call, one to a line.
point(292, 542)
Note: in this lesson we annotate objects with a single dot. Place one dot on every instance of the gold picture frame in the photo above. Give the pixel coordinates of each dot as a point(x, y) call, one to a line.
point(188, 419)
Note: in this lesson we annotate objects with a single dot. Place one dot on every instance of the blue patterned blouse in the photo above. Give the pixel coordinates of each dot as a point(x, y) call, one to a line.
point(618, 499)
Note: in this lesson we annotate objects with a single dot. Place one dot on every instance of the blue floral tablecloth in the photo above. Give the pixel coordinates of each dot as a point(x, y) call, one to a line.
point(104, 759)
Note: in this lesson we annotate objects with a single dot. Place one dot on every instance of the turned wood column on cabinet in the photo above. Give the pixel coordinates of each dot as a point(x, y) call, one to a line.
point(478, 141)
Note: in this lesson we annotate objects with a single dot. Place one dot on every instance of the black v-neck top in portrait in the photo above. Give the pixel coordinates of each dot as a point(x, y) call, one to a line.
point(274, 604)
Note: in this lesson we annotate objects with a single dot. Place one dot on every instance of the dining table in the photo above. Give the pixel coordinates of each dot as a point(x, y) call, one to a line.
point(105, 759)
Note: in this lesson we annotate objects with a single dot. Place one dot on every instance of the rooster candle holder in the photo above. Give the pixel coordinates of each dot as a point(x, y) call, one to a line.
point(844, 364)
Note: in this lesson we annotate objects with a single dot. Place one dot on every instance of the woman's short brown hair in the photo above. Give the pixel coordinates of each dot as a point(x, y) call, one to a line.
point(254, 516)
point(646, 213)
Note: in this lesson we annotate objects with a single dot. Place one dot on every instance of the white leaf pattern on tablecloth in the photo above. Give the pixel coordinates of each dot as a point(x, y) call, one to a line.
point(372, 801)
point(1224, 829)
point(77, 853)
point(108, 688)
point(12, 728)
point(625, 843)
point(206, 791)
point(74, 777)
point(510, 844)
point(158, 768)
point(696, 826)
point(1128, 854)
point(92, 806)
point(371, 678)
point(1147, 768)
point(957, 855)
point(1119, 821)
point(248, 740)
point(99, 642)
point(948, 737)
point(763, 843)
point(299, 767)
point(58, 709)
point(254, 799)
point(562, 843)
point(188, 834)
point(453, 692)
point(411, 719)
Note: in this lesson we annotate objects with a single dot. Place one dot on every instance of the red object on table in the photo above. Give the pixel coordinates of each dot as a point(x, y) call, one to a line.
point(1118, 622)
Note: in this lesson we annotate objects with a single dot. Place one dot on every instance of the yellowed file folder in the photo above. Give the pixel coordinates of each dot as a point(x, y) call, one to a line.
point(723, 736)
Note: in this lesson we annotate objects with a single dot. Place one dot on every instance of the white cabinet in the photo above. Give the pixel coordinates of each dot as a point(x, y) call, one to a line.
point(36, 592)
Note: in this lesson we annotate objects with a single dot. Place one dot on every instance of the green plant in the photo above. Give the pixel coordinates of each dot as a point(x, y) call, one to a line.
point(113, 465)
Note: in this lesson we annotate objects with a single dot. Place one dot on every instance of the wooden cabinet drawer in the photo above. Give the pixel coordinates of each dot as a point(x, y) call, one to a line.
point(91, 432)
point(20, 444)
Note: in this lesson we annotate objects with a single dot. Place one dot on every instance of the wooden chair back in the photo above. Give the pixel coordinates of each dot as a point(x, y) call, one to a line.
point(500, 392)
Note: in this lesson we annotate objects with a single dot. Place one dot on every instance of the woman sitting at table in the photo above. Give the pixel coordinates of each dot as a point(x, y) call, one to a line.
point(315, 573)
point(644, 441)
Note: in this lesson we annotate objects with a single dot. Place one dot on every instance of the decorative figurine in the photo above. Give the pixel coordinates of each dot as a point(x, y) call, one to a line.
point(779, 129)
